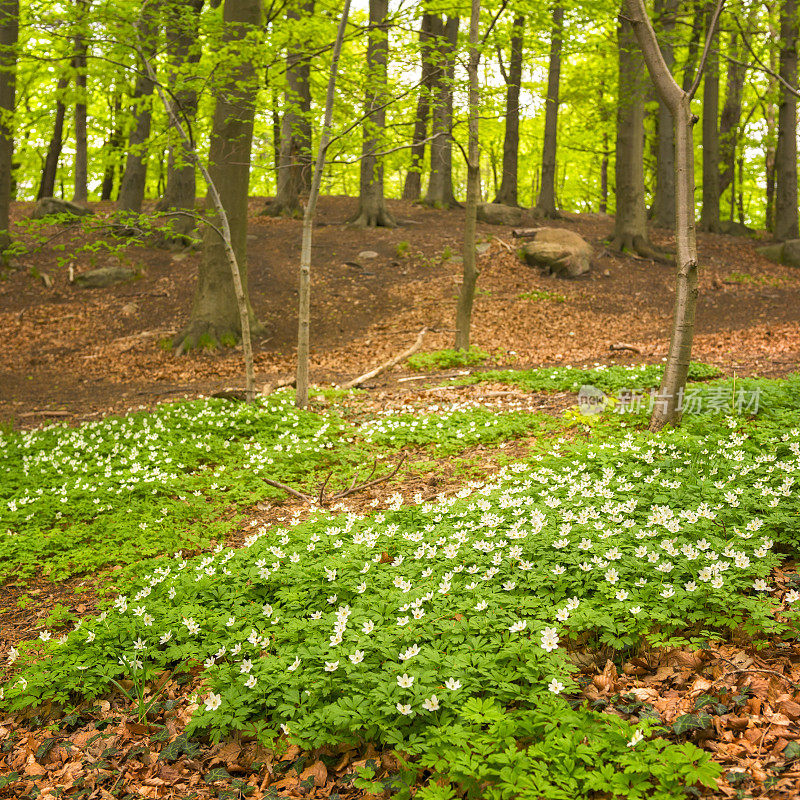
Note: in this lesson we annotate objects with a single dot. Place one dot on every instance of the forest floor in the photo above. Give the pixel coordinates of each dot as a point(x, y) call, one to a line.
point(72, 353)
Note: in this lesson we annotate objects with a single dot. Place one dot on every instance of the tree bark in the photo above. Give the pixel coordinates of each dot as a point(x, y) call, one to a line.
point(9, 35)
point(630, 222)
point(304, 310)
point(184, 52)
point(440, 184)
point(47, 184)
point(113, 148)
point(131, 191)
point(215, 317)
point(667, 408)
point(412, 187)
point(507, 194)
point(466, 294)
point(546, 202)
point(786, 226)
point(730, 117)
point(664, 197)
point(709, 215)
point(294, 175)
point(372, 211)
point(81, 172)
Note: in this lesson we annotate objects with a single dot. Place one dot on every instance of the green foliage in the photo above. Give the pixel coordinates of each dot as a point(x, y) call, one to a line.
point(542, 294)
point(570, 379)
point(446, 359)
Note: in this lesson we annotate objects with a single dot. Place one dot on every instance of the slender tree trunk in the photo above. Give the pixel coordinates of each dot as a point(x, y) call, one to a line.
point(184, 53)
point(440, 184)
point(466, 294)
point(304, 311)
point(786, 152)
point(47, 184)
point(113, 149)
point(372, 211)
point(81, 172)
point(507, 193)
point(294, 174)
point(9, 34)
point(215, 317)
point(546, 202)
point(667, 407)
point(131, 192)
point(709, 216)
point(604, 176)
point(630, 222)
point(664, 197)
point(412, 187)
point(730, 117)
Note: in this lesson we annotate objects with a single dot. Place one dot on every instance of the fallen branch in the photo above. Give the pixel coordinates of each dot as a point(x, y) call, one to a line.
point(434, 377)
point(389, 364)
point(270, 387)
point(623, 346)
point(504, 244)
point(322, 500)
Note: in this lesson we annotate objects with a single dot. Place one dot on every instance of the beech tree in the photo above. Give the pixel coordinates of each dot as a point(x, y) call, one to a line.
point(507, 193)
point(9, 33)
point(667, 409)
point(786, 226)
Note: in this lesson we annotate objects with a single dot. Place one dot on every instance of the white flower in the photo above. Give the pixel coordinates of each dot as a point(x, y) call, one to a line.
point(518, 626)
point(622, 594)
point(404, 709)
point(636, 738)
point(792, 596)
point(562, 615)
point(165, 638)
point(667, 592)
point(357, 657)
point(556, 687)
point(481, 606)
point(431, 703)
point(405, 681)
point(148, 620)
point(266, 610)
point(231, 621)
point(361, 588)
point(401, 621)
point(410, 652)
point(612, 576)
point(139, 644)
point(245, 666)
point(718, 582)
point(191, 625)
point(368, 626)
point(760, 585)
point(45, 636)
point(213, 702)
point(13, 653)
point(250, 682)
point(573, 603)
point(331, 666)
point(90, 636)
point(691, 586)
point(294, 665)
point(636, 610)
point(452, 684)
point(549, 639)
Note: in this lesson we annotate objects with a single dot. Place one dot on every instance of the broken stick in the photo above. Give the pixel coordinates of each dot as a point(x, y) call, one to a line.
point(389, 364)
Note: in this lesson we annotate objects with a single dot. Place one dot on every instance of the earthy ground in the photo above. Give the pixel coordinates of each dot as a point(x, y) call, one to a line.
point(72, 353)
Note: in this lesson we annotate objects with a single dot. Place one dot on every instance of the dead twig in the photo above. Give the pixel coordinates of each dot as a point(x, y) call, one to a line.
point(504, 244)
point(368, 484)
point(388, 364)
point(623, 346)
point(293, 492)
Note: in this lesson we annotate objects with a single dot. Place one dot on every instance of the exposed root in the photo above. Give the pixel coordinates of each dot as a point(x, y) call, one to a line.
point(275, 209)
point(367, 219)
point(637, 245)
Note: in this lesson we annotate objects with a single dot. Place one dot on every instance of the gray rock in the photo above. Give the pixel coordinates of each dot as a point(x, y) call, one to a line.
point(48, 206)
point(367, 254)
point(482, 247)
point(774, 252)
point(791, 253)
point(104, 276)
point(498, 214)
point(559, 252)
point(734, 228)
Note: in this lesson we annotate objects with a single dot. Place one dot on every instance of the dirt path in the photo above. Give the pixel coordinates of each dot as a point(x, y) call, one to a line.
point(71, 353)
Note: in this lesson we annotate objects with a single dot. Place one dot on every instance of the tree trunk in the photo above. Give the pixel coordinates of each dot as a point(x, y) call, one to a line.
point(786, 151)
point(709, 215)
point(412, 187)
point(730, 117)
point(131, 192)
point(184, 52)
point(667, 407)
point(630, 223)
point(507, 193)
point(47, 184)
point(604, 176)
point(440, 184)
point(294, 175)
point(466, 293)
point(372, 211)
point(81, 172)
point(546, 202)
point(113, 148)
point(664, 197)
point(9, 34)
point(215, 317)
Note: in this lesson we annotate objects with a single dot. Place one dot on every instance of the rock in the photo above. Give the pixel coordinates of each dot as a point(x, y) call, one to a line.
point(367, 254)
point(104, 276)
point(732, 228)
point(498, 214)
point(774, 252)
point(791, 253)
point(559, 252)
point(482, 247)
point(48, 206)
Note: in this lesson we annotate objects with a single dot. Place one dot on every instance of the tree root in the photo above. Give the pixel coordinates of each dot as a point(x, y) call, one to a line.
point(366, 219)
point(637, 245)
point(203, 334)
point(275, 209)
